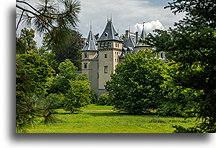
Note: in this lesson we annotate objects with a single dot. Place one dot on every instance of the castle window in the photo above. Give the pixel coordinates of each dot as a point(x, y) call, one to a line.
point(109, 45)
point(105, 69)
point(85, 65)
point(85, 55)
point(105, 55)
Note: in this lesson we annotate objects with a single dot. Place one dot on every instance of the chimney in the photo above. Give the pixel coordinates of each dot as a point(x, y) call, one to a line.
point(136, 37)
point(127, 34)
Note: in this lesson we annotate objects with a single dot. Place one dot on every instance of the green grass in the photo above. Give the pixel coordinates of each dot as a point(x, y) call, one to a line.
point(102, 119)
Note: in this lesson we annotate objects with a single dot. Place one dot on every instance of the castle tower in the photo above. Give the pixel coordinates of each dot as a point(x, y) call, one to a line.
point(109, 50)
point(89, 62)
point(140, 45)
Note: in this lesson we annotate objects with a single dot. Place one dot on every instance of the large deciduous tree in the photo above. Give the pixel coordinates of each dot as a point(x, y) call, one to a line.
point(191, 43)
point(135, 85)
point(32, 73)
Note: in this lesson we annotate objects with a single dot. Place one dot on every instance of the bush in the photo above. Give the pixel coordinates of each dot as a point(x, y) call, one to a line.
point(104, 99)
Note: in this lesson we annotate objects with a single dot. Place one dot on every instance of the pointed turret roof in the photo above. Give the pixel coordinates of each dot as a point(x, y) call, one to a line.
point(129, 43)
point(91, 42)
point(143, 33)
point(109, 33)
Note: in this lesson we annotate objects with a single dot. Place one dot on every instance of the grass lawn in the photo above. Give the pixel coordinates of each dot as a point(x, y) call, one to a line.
point(102, 119)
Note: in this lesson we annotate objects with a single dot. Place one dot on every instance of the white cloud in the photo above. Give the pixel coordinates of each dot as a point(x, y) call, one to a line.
point(148, 26)
point(125, 14)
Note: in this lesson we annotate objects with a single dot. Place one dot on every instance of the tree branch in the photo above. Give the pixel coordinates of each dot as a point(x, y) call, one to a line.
point(20, 20)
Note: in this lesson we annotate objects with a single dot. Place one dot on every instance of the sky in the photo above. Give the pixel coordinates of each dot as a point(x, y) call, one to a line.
point(125, 14)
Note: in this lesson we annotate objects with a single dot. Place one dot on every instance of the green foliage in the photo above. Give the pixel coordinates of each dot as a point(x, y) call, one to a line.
point(32, 73)
point(78, 95)
point(68, 47)
point(47, 14)
point(181, 129)
point(192, 44)
point(177, 100)
point(46, 106)
point(26, 41)
point(135, 85)
point(104, 99)
point(67, 71)
point(49, 56)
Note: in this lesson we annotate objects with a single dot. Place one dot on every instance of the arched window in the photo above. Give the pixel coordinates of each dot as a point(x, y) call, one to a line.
point(85, 65)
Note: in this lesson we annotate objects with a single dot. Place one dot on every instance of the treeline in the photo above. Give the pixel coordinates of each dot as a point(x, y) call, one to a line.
point(44, 84)
point(184, 85)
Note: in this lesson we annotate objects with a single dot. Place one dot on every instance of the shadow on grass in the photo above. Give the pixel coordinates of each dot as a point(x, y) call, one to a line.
point(116, 114)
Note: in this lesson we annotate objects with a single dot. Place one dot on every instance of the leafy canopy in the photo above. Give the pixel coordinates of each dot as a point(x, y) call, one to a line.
point(135, 85)
point(192, 45)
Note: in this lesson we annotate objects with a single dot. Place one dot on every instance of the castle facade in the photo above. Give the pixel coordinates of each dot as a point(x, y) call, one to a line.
point(100, 57)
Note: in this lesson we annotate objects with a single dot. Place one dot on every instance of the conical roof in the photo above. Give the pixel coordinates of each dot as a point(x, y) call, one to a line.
point(143, 35)
point(129, 43)
point(91, 42)
point(109, 33)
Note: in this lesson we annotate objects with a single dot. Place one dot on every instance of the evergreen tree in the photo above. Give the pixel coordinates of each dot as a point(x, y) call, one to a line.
point(192, 45)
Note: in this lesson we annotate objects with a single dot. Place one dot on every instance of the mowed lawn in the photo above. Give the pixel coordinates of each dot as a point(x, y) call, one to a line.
point(102, 119)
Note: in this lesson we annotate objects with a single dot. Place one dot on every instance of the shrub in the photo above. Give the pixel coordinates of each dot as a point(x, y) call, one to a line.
point(104, 99)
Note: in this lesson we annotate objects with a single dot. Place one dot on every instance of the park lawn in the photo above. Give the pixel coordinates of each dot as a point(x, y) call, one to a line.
point(102, 119)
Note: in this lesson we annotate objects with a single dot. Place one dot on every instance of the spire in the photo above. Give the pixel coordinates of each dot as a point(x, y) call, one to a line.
point(90, 26)
point(91, 41)
point(142, 36)
point(109, 32)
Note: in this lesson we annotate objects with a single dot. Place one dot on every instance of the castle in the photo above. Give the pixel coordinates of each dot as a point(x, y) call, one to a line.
point(100, 57)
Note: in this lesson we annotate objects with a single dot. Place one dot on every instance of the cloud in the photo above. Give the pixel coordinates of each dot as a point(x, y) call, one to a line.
point(148, 26)
point(125, 14)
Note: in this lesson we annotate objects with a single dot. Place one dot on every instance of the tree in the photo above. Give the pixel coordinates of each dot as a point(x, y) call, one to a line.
point(67, 71)
point(135, 85)
point(79, 95)
point(176, 100)
point(48, 14)
point(32, 73)
point(26, 41)
point(69, 48)
point(192, 45)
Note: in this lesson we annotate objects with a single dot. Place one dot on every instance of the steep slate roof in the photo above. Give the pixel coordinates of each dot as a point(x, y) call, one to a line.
point(91, 42)
point(143, 35)
point(129, 43)
point(109, 33)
